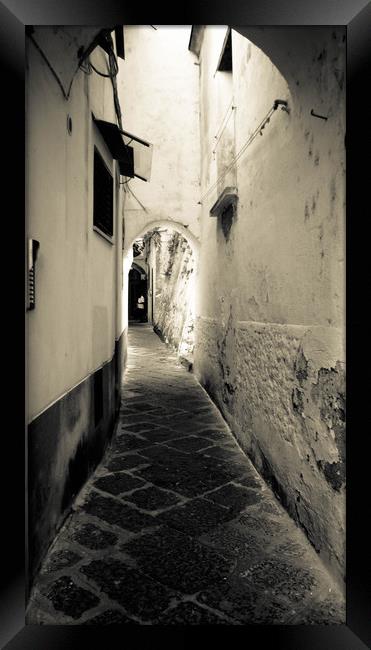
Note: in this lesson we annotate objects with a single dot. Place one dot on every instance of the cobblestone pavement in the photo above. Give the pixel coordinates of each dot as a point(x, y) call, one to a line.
point(176, 526)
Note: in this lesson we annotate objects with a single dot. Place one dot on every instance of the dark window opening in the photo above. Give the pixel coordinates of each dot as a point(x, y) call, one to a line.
point(227, 221)
point(120, 44)
point(103, 196)
point(98, 396)
point(225, 63)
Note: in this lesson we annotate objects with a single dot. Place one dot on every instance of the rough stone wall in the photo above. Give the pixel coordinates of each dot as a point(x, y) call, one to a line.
point(174, 312)
point(270, 319)
point(282, 390)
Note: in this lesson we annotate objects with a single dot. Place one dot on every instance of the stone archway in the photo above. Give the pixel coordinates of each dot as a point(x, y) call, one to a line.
point(176, 301)
point(182, 229)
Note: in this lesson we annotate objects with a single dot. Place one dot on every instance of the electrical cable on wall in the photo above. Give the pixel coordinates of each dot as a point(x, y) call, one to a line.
point(112, 72)
point(101, 74)
point(136, 198)
point(112, 67)
point(224, 118)
point(223, 124)
point(256, 132)
point(85, 66)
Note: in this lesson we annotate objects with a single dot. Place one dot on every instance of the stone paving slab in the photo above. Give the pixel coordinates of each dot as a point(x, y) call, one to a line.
point(93, 537)
point(247, 605)
point(176, 527)
point(60, 560)
point(110, 617)
point(190, 613)
point(69, 598)
point(162, 434)
point(153, 499)
point(120, 582)
point(234, 497)
point(128, 461)
point(196, 516)
point(178, 560)
point(117, 513)
point(118, 483)
point(189, 482)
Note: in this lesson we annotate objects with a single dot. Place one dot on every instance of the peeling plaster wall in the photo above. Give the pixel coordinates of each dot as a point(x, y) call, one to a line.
point(174, 291)
point(270, 316)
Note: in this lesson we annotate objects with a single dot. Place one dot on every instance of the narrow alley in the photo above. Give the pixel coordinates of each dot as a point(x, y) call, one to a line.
point(186, 411)
point(176, 526)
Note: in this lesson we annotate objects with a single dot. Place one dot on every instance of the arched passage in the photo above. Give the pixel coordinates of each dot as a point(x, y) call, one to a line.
point(182, 229)
point(168, 255)
point(268, 355)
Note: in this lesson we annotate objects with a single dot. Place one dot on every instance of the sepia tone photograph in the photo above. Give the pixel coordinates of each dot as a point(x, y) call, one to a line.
point(185, 231)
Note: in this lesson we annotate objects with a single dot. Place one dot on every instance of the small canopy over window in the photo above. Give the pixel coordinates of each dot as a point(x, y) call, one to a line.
point(133, 154)
point(142, 155)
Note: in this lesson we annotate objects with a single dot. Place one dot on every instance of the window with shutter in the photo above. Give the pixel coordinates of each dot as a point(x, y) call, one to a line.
point(103, 196)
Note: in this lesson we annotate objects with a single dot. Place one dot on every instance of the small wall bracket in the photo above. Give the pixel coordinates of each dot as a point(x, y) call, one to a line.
point(283, 103)
point(322, 117)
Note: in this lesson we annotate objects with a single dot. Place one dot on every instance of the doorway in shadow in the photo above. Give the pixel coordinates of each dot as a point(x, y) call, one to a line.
point(138, 295)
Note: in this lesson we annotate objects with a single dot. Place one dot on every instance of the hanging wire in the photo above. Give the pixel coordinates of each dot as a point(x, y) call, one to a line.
point(101, 74)
point(113, 69)
point(221, 130)
point(112, 66)
point(86, 67)
point(256, 132)
point(225, 119)
point(136, 198)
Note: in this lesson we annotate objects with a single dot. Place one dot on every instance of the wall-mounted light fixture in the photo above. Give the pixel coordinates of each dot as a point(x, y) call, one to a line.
point(33, 247)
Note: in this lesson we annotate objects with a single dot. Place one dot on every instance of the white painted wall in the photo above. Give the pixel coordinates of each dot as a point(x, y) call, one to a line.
point(275, 290)
point(72, 331)
point(284, 196)
point(158, 85)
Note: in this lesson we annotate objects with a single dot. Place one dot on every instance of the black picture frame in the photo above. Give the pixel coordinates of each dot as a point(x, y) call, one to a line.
point(356, 16)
